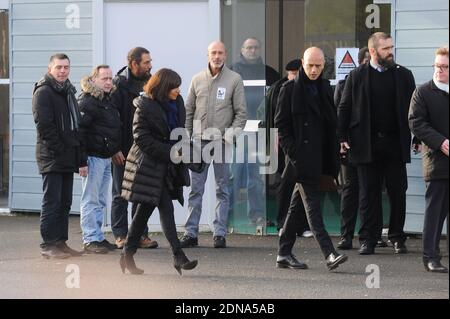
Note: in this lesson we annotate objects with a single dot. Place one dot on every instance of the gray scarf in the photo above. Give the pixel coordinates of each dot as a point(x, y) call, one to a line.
point(69, 90)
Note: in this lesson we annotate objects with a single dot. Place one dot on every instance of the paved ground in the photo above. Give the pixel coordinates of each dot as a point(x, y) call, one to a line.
point(245, 270)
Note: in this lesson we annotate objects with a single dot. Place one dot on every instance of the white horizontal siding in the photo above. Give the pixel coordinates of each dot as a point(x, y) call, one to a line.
point(33, 74)
point(422, 20)
point(21, 105)
point(418, 57)
point(56, 43)
point(421, 5)
point(38, 30)
point(50, 27)
point(46, 10)
point(24, 58)
point(32, 202)
point(23, 153)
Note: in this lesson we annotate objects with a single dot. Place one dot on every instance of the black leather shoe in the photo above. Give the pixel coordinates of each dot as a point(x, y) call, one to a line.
point(54, 253)
point(108, 245)
point(95, 247)
point(400, 248)
point(66, 249)
point(366, 249)
point(220, 242)
point(345, 244)
point(188, 241)
point(334, 260)
point(382, 244)
point(290, 262)
point(435, 266)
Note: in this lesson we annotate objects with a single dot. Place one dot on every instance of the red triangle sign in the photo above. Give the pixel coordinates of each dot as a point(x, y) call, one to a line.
point(347, 61)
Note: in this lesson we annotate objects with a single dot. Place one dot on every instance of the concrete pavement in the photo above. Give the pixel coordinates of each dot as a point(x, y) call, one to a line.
point(245, 270)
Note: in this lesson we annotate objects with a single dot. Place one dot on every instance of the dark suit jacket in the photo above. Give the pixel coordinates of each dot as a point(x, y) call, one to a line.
point(354, 123)
point(429, 121)
point(303, 130)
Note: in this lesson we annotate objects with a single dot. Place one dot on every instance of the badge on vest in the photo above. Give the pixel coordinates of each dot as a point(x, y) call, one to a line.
point(221, 92)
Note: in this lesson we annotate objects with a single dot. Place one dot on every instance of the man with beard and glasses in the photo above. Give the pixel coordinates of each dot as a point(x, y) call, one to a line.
point(373, 129)
point(130, 82)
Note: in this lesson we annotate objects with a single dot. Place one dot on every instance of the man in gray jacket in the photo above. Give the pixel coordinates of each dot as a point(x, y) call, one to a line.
point(215, 103)
point(429, 122)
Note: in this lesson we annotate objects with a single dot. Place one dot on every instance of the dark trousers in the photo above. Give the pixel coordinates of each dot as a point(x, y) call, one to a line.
point(350, 203)
point(119, 206)
point(436, 210)
point(310, 196)
point(371, 177)
point(285, 194)
point(140, 219)
point(56, 204)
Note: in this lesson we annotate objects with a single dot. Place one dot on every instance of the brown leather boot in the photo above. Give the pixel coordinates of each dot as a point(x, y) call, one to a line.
point(146, 242)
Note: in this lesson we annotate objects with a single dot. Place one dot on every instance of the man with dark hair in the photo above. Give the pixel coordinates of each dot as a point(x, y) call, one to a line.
point(56, 115)
point(373, 130)
point(129, 81)
point(350, 186)
point(306, 120)
point(137, 55)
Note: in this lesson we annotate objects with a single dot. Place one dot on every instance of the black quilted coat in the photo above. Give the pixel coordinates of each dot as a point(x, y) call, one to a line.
point(149, 168)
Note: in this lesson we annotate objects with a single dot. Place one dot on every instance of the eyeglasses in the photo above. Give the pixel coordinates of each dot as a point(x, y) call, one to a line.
point(255, 47)
point(442, 68)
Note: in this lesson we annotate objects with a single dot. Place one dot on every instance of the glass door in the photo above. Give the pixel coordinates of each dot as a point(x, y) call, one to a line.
point(272, 33)
point(244, 33)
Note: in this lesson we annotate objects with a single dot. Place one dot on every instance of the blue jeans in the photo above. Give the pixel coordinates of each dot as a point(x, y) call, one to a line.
point(222, 176)
point(93, 198)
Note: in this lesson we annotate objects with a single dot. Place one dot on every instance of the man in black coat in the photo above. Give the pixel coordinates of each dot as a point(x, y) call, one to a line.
point(373, 129)
point(129, 81)
point(100, 127)
point(58, 153)
point(306, 120)
point(429, 121)
point(286, 184)
point(350, 185)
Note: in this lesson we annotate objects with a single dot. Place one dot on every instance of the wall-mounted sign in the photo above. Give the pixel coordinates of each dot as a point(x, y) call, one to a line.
point(346, 61)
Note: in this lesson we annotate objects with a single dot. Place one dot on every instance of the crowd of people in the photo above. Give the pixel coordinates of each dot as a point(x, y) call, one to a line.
point(119, 131)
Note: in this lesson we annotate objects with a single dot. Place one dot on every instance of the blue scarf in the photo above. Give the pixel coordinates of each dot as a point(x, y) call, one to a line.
point(171, 110)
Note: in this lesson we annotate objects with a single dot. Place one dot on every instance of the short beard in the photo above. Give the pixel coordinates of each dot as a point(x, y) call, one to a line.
point(386, 62)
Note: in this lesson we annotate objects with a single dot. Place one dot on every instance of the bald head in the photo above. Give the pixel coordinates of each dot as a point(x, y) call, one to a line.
point(217, 45)
point(313, 62)
point(217, 55)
